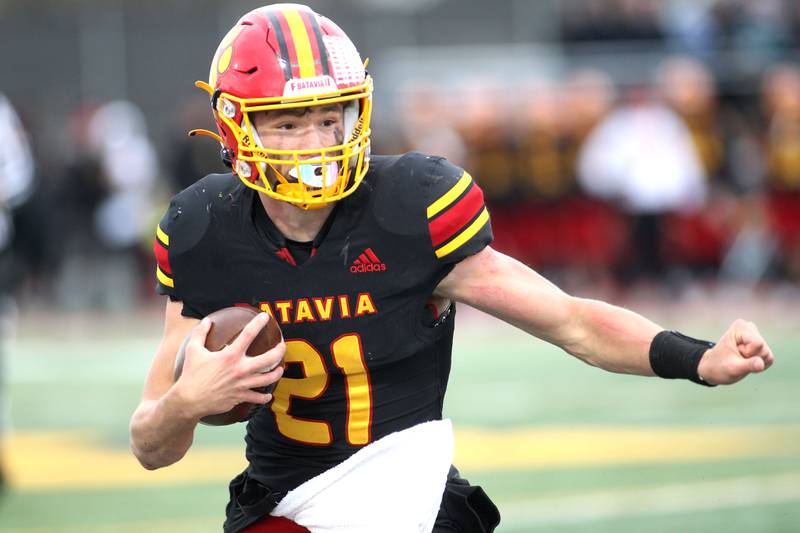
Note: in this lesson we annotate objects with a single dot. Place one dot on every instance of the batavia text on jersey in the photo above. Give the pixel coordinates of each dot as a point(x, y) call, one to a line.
point(320, 309)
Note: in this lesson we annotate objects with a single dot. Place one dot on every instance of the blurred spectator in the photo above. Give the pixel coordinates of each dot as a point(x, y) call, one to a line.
point(642, 157)
point(698, 239)
point(542, 172)
point(193, 157)
point(752, 246)
point(689, 89)
point(781, 103)
point(428, 124)
point(108, 196)
point(551, 226)
point(484, 124)
point(16, 186)
point(594, 228)
point(590, 96)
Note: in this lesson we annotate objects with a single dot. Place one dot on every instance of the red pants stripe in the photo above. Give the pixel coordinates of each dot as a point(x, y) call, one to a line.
point(275, 524)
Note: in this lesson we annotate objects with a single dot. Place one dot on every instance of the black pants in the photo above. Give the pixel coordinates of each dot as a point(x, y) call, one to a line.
point(465, 508)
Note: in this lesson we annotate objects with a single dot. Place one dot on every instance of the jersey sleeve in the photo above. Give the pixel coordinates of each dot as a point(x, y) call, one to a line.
point(177, 246)
point(165, 277)
point(457, 219)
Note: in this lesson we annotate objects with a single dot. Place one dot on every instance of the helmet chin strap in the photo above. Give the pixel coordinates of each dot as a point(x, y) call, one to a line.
point(309, 183)
point(299, 191)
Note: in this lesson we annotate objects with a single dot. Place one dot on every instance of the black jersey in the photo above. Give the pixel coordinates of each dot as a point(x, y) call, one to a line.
point(363, 358)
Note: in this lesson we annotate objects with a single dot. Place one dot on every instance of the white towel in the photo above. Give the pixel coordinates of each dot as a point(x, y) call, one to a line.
point(394, 484)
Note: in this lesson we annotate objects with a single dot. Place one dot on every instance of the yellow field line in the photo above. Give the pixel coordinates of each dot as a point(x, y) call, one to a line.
point(481, 449)
point(58, 460)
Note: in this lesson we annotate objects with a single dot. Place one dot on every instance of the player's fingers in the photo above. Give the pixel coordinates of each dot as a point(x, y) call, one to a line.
point(757, 364)
point(739, 368)
point(197, 338)
point(769, 359)
point(250, 331)
point(267, 360)
point(251, 396)
point(753, 348)
point(258, 380)
point(749, 341)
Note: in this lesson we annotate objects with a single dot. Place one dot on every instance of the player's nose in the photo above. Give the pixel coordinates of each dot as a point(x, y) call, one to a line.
point(317, 137)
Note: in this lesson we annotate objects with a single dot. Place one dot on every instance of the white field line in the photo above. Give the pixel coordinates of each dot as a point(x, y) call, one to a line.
point(638, 501)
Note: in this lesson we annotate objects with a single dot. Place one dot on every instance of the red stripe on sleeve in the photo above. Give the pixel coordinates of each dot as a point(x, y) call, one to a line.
point(162, 257)
point(456, 216)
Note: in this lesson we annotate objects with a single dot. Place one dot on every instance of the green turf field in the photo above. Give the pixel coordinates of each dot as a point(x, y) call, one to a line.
point(560, 446)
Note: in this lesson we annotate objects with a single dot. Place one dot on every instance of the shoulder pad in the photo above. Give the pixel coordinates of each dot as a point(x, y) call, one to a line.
point(417, 194)
point(186, 222)
point(400, 186)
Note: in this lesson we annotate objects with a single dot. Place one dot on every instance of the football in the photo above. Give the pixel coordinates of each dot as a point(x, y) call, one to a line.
point(226, 324)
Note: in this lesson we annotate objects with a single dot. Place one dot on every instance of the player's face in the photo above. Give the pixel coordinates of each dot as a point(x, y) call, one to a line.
point(301, 129)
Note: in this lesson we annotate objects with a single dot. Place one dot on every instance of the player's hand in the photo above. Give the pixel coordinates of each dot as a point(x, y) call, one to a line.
point(215, 382)
point(741, 351)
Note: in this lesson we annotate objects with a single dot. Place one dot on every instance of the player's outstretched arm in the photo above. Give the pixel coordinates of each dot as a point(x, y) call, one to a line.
point(603, 335)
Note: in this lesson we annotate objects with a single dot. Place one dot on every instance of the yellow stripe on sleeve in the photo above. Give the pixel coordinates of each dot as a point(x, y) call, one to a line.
point(302, 44)
point(163, 237)
point(450, 196)
point(465, 235)
point(164, 279)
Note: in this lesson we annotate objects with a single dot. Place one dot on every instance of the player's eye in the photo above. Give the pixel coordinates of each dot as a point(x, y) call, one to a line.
point(286, 126)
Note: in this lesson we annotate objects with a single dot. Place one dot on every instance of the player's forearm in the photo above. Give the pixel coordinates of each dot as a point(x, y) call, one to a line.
point(610, 337)
point(161, 432)
point(600, 334)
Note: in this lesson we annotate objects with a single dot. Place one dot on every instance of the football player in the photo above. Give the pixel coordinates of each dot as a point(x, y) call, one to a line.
point(361, 259)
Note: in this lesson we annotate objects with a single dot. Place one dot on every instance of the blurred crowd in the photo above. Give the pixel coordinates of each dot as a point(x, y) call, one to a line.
point(682, 176)
point(661, 181)
point(79, 235)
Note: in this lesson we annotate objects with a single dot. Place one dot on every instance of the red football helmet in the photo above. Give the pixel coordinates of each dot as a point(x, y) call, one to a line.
point(287, 56)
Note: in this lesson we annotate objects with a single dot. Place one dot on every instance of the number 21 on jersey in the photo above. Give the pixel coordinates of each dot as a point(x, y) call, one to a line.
point(348, 356)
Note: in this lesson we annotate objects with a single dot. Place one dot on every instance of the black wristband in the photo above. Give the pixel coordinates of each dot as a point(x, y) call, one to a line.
point(676, 356)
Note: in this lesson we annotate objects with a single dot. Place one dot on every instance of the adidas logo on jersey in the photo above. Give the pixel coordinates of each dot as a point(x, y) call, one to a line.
point(367, 262)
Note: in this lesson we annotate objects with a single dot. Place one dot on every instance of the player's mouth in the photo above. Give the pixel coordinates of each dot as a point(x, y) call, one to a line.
point(312, 175)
